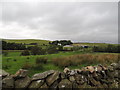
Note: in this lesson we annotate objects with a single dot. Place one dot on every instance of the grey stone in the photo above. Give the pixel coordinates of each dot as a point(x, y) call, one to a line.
point(3, 73)
point(116, 74)
point(21, 73)
point(98, 68)
point(42, 75)
point(63, 75)
point(54, 85)
point(74, 85)
point(8, 82)
point(93, 82)
point(66, 70)
point(22, 83)
point(110, 68)
point(36, 84)
point(114, 65)
point(80, 79)
point(71, 78)
point(52, 78)
point(65, 83)
point(44, 86)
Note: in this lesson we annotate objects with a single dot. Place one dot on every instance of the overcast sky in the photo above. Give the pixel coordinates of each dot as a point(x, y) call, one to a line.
point(76, 21)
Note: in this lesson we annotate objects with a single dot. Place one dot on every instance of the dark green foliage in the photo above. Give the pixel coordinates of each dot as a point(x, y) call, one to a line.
point(6, 66)
point(51, 49)
point(76, 48)
point(4, 53)
point(60, 48)
point(15, 60)
point(109, 48)
point(25, 53)
point(41, 60)
point(35, 50)
point(62, 42)
point(12, 46)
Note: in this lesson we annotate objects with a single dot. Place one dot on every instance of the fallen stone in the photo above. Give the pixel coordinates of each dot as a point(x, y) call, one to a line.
point(22, 82)
point(8, 82)
point(42, 75)
point(36, 84)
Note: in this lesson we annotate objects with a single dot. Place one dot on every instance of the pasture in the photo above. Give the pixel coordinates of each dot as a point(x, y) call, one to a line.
point(13, 61)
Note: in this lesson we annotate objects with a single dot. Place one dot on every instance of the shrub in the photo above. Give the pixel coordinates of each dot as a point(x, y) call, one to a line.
point(15, 60)
point(51, 49)
point(25, 53)
point(6, 66)
point(41, 60)
point(27, 66)
point(4, 53)
point(35, 50)
point(38, 67)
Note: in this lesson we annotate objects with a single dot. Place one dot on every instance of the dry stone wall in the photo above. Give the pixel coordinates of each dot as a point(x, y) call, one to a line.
point(87, 77)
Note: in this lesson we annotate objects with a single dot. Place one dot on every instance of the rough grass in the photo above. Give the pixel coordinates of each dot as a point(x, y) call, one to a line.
point(88, 59)
point(14, 61)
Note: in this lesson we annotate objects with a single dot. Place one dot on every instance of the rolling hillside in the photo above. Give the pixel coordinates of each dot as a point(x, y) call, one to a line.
point(27, 41)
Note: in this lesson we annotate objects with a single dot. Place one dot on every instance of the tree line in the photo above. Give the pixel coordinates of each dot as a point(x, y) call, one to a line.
point(12, 46)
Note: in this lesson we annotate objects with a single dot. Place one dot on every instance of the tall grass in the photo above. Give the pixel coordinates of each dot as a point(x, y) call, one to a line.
point(88, 59)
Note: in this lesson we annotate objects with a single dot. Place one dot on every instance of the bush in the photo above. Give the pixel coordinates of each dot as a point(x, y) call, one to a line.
point(37, 51)
point(25, 53)
point(51, 49)
point(6, 66)
point(41, 60)
point(27, 66)
point(38, 67)
point(4, 53)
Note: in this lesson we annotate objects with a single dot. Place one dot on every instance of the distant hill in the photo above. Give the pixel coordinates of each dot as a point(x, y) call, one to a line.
point(27, 41)
point(92, 44)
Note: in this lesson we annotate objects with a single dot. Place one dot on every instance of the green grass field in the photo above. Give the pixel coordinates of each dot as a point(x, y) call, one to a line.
point(13, 61)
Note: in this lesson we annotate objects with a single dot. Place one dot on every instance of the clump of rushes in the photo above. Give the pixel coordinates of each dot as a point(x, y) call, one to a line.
point(41, 60)
point(87, 59)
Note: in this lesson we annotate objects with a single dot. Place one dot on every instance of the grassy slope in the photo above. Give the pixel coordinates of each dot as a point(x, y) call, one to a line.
point(27, 41)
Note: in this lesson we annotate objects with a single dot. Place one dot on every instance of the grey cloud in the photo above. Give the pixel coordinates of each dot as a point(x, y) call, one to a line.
point(52, 20)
